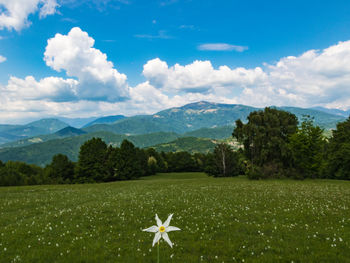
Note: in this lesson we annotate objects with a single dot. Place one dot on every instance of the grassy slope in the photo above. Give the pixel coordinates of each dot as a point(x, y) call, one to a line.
point(222, 220)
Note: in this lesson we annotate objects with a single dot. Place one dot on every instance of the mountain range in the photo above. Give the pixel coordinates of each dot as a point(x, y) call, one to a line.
point(15, 132)
point(38, 141)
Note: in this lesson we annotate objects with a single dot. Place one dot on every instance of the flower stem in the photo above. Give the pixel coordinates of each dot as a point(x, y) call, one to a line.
point(158, 252)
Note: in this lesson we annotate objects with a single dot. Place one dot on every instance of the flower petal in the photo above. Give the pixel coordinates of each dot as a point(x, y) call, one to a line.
point(167, 222)
point(159, 222)
point(156, 238)
point(172, 228)
point(167, 239)
point(152, 229)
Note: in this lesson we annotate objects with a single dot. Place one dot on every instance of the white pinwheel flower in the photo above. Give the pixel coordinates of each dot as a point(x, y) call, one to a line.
point(162, 230)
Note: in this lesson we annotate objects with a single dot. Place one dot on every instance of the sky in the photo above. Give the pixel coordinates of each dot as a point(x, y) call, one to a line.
point(73, 58)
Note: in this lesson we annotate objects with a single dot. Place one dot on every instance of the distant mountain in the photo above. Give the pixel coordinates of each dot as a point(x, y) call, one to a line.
point(180, 120)
point(69, 131)
point(16, 132)
point(63, 133)
point(334, 111)
point(188, 144)
point(6, 127)
point(77, 122)
point(5, 137)
point(46, 126)
point(199, 115)
point(105, 120)
point(200, 120)
point(322, 119)
point(8, 137)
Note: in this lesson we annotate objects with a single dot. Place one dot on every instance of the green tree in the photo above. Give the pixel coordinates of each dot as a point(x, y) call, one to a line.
point(338, 153)
point(61, 169)
point(141, 162)
point(10, 175)
point(152, 165)
point(307, 147)
point(128, 164)
point(111, 163)
point(160, 164)
point(19, 173)
point(223, 162)
point(265, 137)
point(91, 162)
point(181, 162)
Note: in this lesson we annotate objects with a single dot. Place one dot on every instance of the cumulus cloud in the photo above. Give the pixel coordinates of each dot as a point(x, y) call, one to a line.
point(98, 79)
point(2, 59)
point(14, 13)
point(200, 76)
point(314, 78)
point(51, 88)
point(93, 77)
point(221, 47)
point(317, 77)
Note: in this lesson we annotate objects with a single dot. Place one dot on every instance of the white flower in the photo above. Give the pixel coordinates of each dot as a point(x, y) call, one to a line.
point(162, 230)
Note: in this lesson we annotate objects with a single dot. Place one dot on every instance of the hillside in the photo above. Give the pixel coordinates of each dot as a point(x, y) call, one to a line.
point(211, 133)
point(63, 133)
point(334, 111)
point(104, 120)
point(41, 153)
point(187, 144)
point(322, 119)
point(77, 122)
point(41, 127)
point(199, 115)
point(180, 120)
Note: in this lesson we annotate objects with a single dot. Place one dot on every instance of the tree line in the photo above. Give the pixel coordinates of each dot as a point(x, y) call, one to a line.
point(274, 145)
point(98, 162)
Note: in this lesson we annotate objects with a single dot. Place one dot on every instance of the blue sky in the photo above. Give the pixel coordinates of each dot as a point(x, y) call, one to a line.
point(258, 53)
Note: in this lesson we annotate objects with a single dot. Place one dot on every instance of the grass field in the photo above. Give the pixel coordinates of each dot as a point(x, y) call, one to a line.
point(222, 220)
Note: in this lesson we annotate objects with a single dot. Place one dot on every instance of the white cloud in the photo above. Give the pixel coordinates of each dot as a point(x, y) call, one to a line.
point(51, 88)
point(14, 13)
point(221, 47)
point(75, 54)
point(95, 86)
point(2, 59)
point(200, 76)
point(49, 8)
point(315, 78)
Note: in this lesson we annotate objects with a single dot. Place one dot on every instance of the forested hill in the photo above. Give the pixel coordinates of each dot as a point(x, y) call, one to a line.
point(39, 150)
point(202, 115)
point(44, 126)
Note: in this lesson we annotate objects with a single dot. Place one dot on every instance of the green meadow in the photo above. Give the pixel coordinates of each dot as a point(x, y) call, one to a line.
point(222, 220)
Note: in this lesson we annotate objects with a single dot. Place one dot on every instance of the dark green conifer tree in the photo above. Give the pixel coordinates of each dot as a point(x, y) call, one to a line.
point(91, 163)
